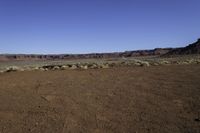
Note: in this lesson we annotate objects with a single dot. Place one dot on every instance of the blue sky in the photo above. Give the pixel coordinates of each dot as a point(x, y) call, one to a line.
point(85, 26)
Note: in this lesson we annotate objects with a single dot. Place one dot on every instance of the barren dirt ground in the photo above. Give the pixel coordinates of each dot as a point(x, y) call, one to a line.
point(121, 100)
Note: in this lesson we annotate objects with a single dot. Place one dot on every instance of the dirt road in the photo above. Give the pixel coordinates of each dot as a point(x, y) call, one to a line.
point(162, 99)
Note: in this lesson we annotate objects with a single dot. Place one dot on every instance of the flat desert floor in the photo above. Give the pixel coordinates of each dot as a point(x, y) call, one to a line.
point(160, 99)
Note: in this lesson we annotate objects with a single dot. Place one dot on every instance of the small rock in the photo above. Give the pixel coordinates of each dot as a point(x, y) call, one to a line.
point(1, 71)
point(112, 64)
point(30, 69)
point(185, 63)
point(190, 61)
point(93, 66)
point(21, 70)
point(84, 67)
point(198, 61)
point(155, 64)
point(56, 68)
point(164, 62)
point(12, 69)
point(128, 63)
point(73, 67)
point(143, 63)
point(123, 62)
point(42, 69)
point(174, 62)
point(64, 67)
point(137, 64)
point(36, 68)
point(105, 66)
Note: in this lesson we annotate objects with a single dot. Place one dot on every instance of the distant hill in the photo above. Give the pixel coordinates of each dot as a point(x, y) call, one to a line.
point(157, 51)
point(163, 52)
point(193, 48)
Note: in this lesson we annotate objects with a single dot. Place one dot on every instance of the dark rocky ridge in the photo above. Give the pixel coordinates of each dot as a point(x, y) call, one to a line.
point(193, 48)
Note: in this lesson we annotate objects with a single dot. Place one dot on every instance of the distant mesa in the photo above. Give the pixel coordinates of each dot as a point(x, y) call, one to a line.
point(157, 51)
point(164, 52)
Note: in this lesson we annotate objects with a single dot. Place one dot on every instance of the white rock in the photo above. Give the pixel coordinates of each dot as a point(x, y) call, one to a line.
point(12, 69)
point(73, 67)
point(64, 67)
point(2, 71)
point(84, 67)
point(36, 68)
point(105, 66)
point(56, 68)
point(93, 66)
point(164, 62)
point(146, 64)
point(137, 64)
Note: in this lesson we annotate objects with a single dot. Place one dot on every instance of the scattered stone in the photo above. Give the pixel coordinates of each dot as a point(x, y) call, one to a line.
point(184, 63)
point(21, 70)
point(178, 62)
point(198, 61)
point(30, 68)
point(84, 67)
point(93, 66)
point(123, 63)
point(164, 62)
point(174, 62)
point(12, 69)
point(145, 63)
point(56, 68)
point(1, 72)
point(104, 66)
point(155, 64)
point(137, 64)
point(64, 67)
point(73, 67)
point(42, 69)
point(190, 61)
point(81, 66)
point(36, 68)
point(50, 67)
point(128, 64)
point(111, 64)
point(108, 64)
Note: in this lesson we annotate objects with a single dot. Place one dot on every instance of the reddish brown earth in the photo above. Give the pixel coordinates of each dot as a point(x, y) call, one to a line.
point(163, 99)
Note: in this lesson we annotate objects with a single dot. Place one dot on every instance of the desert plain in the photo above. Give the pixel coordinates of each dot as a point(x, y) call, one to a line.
point(130, 98)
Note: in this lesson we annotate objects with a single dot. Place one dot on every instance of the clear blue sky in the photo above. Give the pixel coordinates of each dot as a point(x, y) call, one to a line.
point(85, 26)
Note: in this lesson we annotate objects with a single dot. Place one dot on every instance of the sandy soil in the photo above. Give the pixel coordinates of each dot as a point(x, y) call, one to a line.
point(121, 100)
